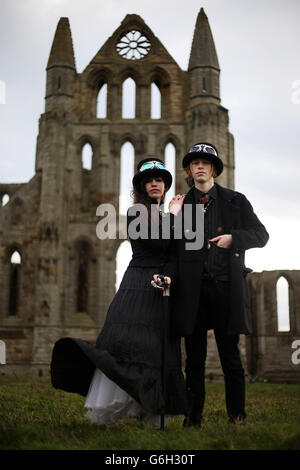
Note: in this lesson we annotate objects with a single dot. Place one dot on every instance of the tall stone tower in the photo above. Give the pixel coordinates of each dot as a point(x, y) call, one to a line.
point(206, 119)
point(57, 278)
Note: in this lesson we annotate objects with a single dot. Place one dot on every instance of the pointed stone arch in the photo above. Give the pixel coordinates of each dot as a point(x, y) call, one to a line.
point(129, 72)
point(81, 143)
point(86, 139)
point(133, 75)
point(96, 79)
point(12, 248)
point(97, 76)
point(161, 78)
point(128, 137)
point(173, 139)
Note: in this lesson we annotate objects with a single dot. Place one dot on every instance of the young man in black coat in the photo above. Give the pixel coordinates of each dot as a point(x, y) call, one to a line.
point(210, 291)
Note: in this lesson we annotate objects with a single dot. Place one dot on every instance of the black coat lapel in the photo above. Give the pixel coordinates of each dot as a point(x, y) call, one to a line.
point(190, 200)
point(229, 211)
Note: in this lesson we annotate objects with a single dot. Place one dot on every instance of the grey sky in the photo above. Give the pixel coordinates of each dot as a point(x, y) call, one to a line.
point(258, 49)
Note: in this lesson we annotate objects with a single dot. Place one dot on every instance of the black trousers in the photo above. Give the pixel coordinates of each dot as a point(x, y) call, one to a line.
point(213, 314)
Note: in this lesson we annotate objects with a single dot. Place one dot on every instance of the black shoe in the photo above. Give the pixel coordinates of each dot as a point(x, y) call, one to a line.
point(193, 416)
point(239, 420)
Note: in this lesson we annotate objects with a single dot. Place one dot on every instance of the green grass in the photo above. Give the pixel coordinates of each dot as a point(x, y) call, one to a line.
point(33, 415)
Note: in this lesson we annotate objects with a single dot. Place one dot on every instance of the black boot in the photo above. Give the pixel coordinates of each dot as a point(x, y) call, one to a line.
point(194, 414)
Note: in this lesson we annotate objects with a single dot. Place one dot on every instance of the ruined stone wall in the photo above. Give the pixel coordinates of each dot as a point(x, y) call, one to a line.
point(269, 350)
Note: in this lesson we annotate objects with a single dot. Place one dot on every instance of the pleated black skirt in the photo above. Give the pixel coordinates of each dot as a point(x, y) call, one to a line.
point(129, 349)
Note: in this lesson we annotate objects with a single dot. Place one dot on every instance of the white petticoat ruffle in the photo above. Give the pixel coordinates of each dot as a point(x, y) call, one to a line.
point(107, 402)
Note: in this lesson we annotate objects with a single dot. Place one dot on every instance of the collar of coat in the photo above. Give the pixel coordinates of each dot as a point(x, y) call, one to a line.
point(224, 193)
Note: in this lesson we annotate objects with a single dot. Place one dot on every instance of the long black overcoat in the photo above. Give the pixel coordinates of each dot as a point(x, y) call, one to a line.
point(247, 232)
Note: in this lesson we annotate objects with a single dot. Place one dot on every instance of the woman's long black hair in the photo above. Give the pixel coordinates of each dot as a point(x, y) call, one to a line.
point(140, 195)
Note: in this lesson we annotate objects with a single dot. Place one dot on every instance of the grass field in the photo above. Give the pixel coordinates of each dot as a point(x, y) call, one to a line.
point(33, 415)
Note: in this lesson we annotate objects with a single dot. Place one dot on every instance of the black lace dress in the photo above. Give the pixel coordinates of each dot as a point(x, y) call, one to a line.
point(125, 365)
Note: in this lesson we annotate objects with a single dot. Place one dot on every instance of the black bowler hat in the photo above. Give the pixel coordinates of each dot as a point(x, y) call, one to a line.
point(204, 150)
point(152, 167)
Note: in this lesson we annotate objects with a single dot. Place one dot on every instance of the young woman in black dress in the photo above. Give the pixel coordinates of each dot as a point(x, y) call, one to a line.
point(121, 375)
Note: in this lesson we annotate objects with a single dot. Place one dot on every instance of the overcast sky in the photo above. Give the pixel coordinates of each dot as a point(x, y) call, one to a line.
point(258, 46)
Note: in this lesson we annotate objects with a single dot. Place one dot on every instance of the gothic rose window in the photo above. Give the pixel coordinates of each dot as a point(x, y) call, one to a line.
point(133, 45)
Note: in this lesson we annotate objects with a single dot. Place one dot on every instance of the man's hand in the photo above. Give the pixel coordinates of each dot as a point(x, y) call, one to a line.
point(175, 204)
point(223, 241)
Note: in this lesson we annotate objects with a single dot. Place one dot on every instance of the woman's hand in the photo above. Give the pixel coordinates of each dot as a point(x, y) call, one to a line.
point(223, 241)
point(175, 204)
point(167, 280)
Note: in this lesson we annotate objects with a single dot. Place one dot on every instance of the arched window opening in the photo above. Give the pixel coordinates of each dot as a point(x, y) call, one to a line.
point(283, 309)
point(126, 175)
point(87, 156)
point(203, 84)
point(170, 162)
point(83, 277)
point(128, 99)
point(5, 199)
point(15, 263)
point(155, 102)
point(15, 258)
point(123, 258)
point(101, 112)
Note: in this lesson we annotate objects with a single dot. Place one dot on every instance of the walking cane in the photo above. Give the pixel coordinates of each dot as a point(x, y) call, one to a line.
point(166, 294)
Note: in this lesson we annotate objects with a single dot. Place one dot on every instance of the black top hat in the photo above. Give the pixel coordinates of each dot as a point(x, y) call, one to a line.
point(152, 167)
point(204, 150)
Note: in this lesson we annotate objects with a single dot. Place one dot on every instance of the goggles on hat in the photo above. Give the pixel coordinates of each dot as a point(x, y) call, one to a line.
point(152, 164)
point(204, 148)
